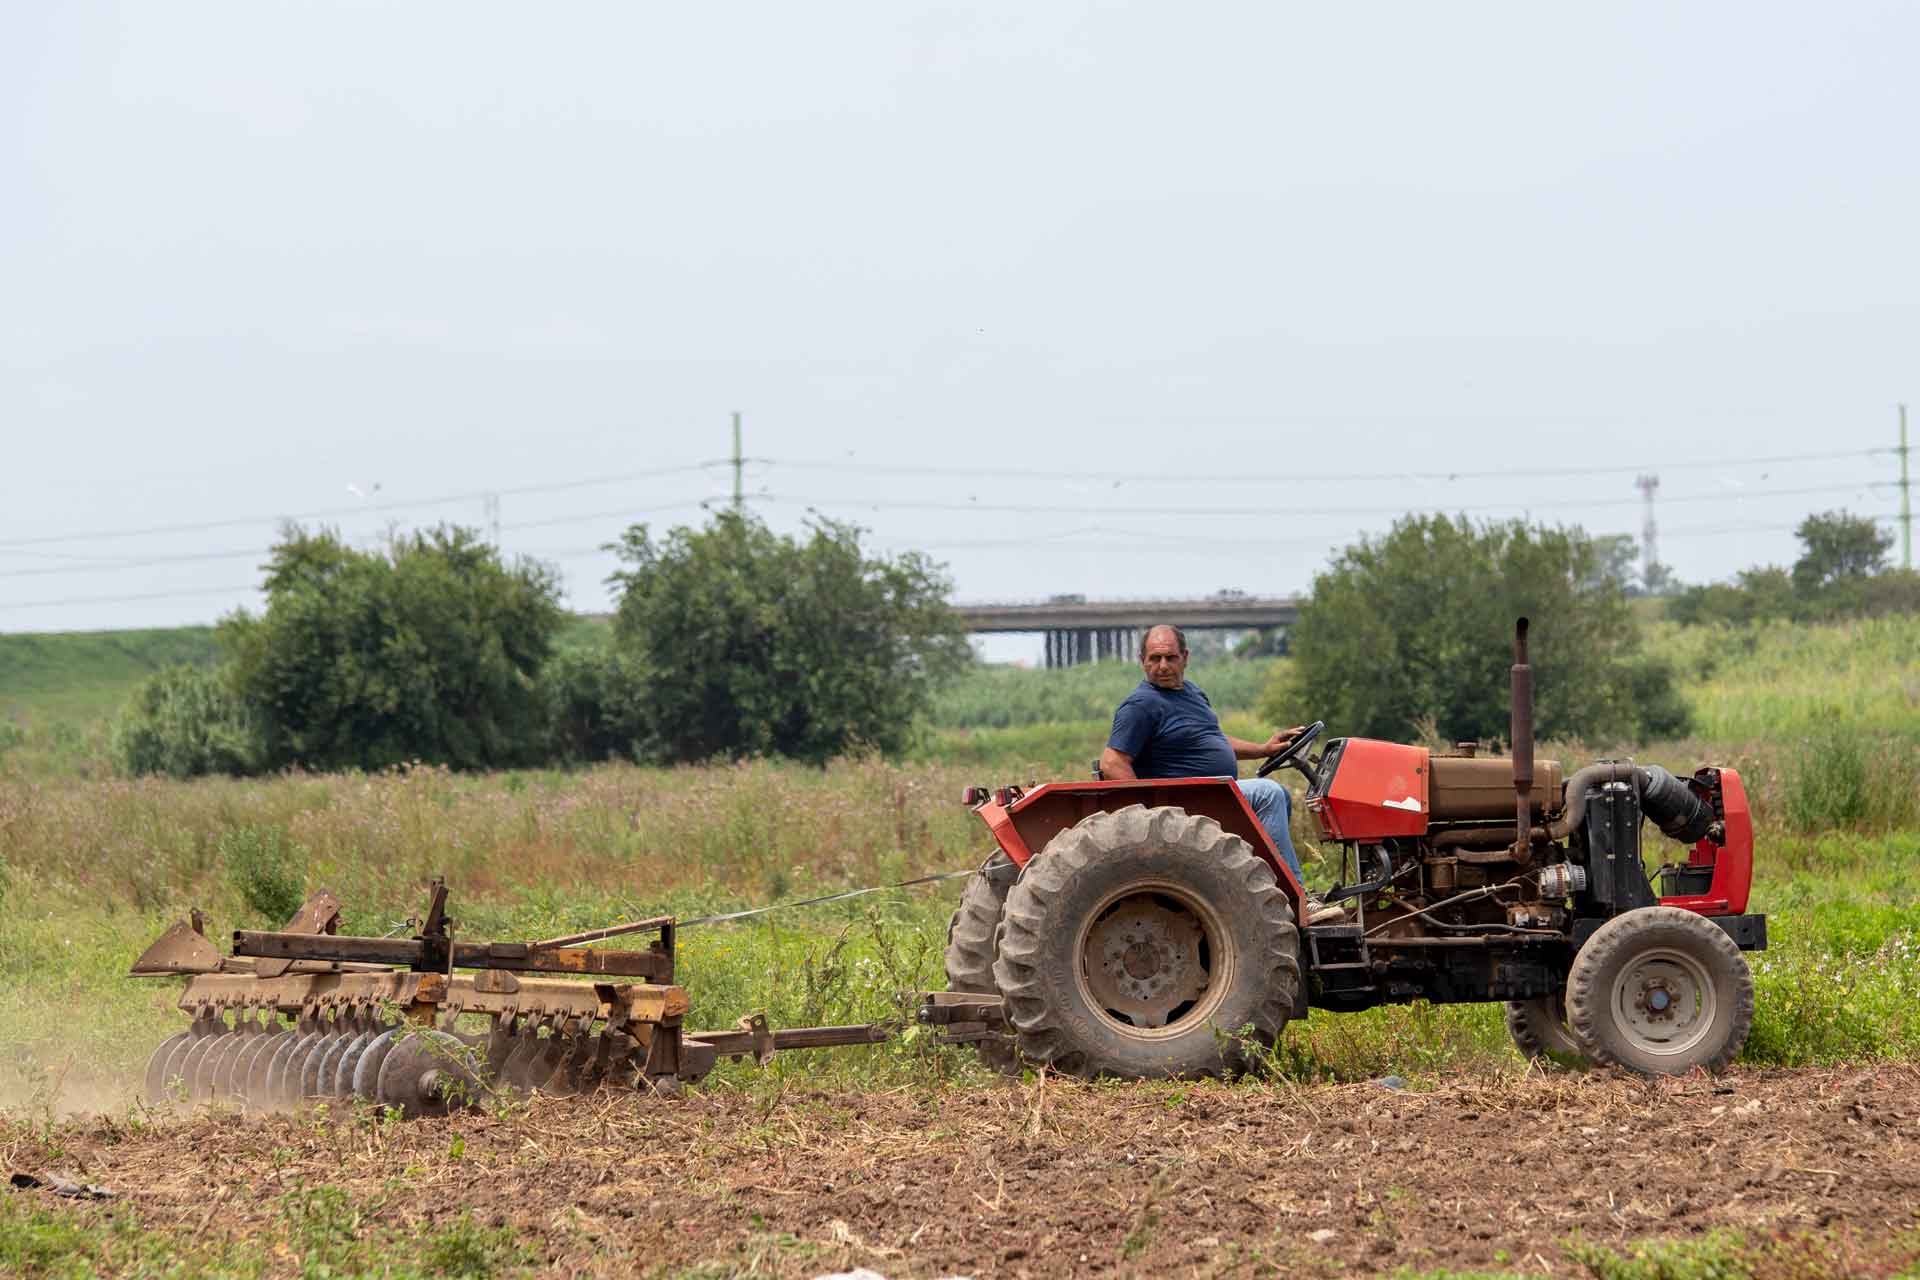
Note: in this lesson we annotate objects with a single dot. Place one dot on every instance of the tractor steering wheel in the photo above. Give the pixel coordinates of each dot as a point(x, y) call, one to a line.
point(1293, 753)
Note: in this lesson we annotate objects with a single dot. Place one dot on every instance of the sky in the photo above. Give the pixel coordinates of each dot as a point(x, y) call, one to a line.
point(1107, 299)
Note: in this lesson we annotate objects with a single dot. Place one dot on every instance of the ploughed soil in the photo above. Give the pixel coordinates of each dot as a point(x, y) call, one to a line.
point(1051, 1177)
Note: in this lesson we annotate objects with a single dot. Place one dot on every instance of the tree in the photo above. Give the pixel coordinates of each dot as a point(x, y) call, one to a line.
point(755, 643)
point(429, 651)
point(1614, 555)
point(1838, 546)
point(1418, 625)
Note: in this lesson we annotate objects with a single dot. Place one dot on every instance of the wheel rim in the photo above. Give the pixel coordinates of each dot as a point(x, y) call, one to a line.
point(1664, 1002)
point(1154, 961)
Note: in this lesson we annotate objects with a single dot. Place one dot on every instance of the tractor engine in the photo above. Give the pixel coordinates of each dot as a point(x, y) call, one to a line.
point(1434, 837)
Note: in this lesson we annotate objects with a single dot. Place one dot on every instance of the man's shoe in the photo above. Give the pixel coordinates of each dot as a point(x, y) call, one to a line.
point(1319, 912)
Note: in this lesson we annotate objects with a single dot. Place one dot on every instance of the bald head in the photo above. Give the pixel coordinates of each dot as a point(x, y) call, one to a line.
point(1163, 656)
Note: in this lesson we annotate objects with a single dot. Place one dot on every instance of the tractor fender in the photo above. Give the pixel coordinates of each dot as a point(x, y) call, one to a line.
point(1023, 823)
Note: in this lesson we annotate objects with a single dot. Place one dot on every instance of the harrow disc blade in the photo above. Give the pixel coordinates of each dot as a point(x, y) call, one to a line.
point(236, 1083)
point(304, 1072)
point(366, 1073)
point(429, 1073)
point(157, 1077)
point(189, 1068)
point(514, 1072)
point(275, 1071)
point(227, 1085)
point(254, 1088)
point(342, 1083)
point(283, 1080)
point(314, 1069)
point(501, 1041)
point(589, 1064)
point(213, 1066)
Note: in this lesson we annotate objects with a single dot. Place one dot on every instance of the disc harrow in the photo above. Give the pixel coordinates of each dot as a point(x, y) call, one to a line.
point(429, 1024)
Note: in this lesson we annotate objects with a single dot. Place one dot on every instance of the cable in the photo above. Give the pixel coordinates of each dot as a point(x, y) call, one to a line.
point(251, 588)
point(1295, 477)
point(1288, 512)
point(625, 513)
point(1003, 473)
point(383, 505)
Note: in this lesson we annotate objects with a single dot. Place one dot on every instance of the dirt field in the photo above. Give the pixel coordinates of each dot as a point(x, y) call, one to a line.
point(1056, 1178)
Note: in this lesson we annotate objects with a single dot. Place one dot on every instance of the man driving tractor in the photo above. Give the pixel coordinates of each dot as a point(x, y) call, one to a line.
point(1166, 728)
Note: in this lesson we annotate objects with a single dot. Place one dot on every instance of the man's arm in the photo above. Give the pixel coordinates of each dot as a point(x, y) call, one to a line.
point(1244, 750)
point(1116, 766)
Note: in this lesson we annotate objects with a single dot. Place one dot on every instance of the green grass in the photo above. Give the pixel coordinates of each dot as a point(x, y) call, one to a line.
point(1792, 679)
point(60, 690)
point(80, 674)
point(323, 1230)
point(94, 871)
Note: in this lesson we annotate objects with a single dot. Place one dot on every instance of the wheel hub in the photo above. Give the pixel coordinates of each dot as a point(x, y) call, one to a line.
point(1144, 960)
point(1664, 1001)
point(1656, 1001)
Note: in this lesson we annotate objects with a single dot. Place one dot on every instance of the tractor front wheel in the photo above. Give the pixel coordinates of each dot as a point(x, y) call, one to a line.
point(1144, 943)
point(1660, 991)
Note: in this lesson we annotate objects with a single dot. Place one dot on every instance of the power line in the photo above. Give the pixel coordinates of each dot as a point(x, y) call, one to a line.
point(202, 526)
point(1002, 472)
point(249, 589)
point(1294, 477)
point(1143, 538)
point(630, 515)
point(1276, 510)
point(189, 557)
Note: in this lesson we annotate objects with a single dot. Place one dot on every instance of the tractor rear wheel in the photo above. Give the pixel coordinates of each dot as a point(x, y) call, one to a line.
point(1541, 1034)
point(1142, 943)
point(1660, 991)
point(970, 946)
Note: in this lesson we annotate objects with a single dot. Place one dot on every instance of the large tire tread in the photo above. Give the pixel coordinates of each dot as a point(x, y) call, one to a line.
point(1616, 942)
point(1104, 845)
point(971, 937)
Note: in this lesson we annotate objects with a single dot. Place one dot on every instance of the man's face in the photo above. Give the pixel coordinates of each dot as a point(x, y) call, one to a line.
point(1165, 665)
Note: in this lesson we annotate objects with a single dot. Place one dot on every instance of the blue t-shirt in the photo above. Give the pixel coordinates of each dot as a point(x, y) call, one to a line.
point(1172, 733)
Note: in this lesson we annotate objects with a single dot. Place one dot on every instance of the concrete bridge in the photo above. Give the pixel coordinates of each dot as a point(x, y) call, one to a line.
point(1082, 630)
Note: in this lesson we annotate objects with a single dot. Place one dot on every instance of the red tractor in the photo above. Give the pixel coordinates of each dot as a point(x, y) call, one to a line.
point(1148, 928)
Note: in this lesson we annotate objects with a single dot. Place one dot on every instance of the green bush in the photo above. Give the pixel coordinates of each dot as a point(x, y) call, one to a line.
point(266, 870)
point(186, 722)
point(761, 644)
point(429, 651)
point(595, 704)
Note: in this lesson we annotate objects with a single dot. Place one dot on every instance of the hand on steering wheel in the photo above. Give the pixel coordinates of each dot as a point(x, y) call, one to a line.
point(1293, 752)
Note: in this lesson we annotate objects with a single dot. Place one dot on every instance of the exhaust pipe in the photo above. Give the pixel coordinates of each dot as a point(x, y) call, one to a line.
point(1522, 734)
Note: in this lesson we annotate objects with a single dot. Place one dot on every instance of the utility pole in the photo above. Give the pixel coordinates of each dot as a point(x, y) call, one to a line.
point(737, 460)
point(1649, 532)
point(1906, 499)
point(493, 519)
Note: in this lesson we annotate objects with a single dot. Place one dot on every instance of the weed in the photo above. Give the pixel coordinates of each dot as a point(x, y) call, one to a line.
point(467, 1249)
point(264, 868)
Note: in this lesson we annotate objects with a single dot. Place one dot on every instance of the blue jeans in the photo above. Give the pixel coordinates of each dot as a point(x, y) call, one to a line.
point(1271, 804)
